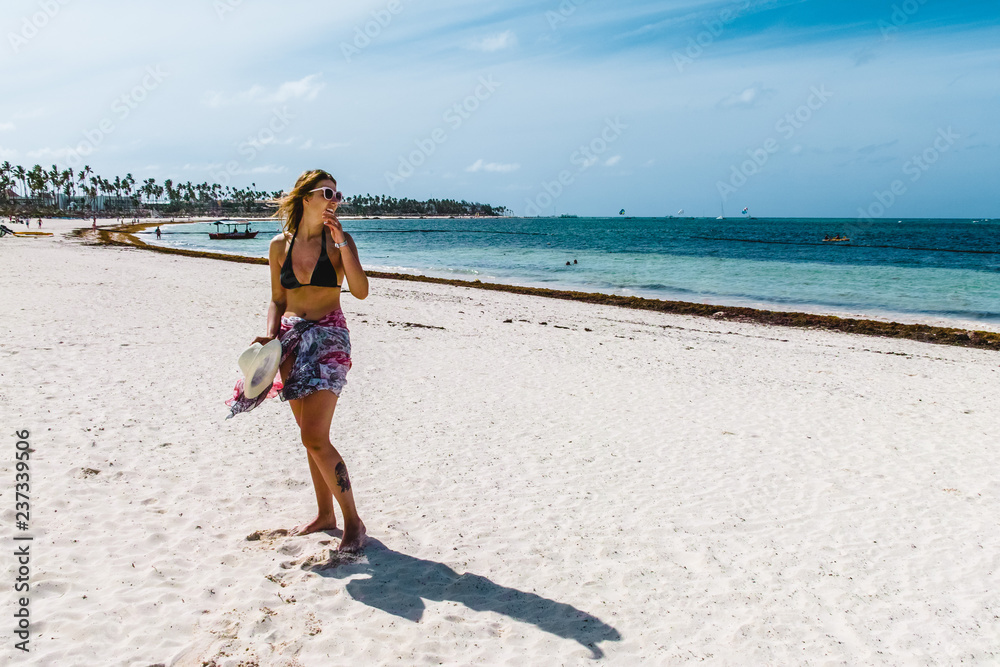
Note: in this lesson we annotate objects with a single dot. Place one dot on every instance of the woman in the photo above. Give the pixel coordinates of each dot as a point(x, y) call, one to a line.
point(309, 262)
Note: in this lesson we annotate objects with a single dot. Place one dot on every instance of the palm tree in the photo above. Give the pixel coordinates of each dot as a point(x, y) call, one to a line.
point(95, 187)
point(54, 177)
point(82, 176)
point(6, 171)
point(37, 180)
point(172, 195)
point(21, 175)
point(104, 185)
point(69, 182)
point(147, 188)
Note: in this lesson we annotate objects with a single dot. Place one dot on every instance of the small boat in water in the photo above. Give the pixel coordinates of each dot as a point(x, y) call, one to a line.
point(232, 231)
point(835, 239)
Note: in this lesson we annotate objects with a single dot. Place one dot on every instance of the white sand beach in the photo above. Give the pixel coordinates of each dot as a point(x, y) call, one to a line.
point(580, 484)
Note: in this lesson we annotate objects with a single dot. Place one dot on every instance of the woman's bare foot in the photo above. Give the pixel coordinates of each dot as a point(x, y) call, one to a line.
point(316, 525)
point(354, 537)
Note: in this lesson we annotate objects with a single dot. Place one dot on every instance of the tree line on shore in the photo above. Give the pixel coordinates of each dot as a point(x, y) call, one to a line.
point(65, 192)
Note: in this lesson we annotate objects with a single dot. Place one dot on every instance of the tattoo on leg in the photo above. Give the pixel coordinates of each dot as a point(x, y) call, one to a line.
point(342, 480)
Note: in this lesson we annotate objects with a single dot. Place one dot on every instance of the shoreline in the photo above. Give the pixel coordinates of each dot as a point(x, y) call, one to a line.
point(124, 235)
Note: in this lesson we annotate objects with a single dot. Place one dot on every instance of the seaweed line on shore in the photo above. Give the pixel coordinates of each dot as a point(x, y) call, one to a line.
point(124, 235)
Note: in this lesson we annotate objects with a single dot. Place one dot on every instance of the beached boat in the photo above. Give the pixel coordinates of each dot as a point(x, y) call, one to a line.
point(232, 232)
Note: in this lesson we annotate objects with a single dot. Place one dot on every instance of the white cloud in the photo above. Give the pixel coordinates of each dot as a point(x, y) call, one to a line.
point(306, 89)
point(7, 153)
point(308, 145)
point(748, 98)
point(259, 143)
point(53, 154)
point(265, 169)
point(481, 165)
point(498, 42)
point(213, 166)
point(657, 26)
point(6, 127)
point(612, 161)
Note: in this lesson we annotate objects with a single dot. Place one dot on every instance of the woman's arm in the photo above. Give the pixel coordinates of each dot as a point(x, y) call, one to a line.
point(276, 308)
point(353, 273)
point(356, 277)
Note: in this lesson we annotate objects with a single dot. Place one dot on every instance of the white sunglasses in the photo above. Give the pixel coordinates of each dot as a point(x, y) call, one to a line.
point(330, 194)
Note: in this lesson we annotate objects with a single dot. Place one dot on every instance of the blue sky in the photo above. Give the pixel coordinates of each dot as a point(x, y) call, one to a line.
point(791, 108)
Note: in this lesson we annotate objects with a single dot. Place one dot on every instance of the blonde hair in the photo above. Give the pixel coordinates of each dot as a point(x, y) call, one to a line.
point(290, 205)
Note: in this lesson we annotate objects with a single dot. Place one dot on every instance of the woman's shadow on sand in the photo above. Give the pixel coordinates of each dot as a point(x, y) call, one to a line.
point(398, 584)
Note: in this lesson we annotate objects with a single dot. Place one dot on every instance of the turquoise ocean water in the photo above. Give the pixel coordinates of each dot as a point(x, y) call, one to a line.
point(902, 269)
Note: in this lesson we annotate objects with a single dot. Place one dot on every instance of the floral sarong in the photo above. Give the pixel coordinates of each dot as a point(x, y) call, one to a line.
point(322, 351)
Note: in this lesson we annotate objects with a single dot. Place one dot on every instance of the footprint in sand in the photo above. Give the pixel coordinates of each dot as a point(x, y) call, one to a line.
point(267, 537)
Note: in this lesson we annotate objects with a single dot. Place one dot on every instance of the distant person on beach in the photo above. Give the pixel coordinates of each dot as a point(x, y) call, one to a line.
point(157, 231)
point(315, 342)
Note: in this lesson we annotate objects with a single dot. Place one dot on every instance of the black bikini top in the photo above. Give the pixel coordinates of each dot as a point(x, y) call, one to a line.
point(323, 275)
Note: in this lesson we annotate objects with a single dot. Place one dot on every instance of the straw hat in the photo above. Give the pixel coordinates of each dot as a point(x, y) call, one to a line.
point(259, 364)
